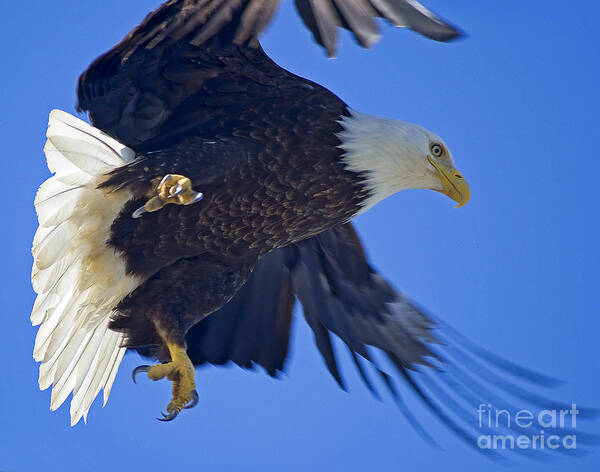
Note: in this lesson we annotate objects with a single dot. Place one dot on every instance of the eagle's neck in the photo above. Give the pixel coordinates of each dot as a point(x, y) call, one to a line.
point(384, 154)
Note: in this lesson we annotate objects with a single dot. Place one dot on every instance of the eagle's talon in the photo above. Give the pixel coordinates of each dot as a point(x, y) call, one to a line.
point(199, 196)
point(180, 371)
point(138, 370)
point(173, 188)
point(164, 180)
point(194, 401)
point(139, 212)
point(168, 417)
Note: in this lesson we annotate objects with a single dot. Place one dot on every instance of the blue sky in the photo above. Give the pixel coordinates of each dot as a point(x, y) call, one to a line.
point(516, 269)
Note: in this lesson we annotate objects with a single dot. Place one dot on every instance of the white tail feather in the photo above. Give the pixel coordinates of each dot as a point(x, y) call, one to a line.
point(78, 278)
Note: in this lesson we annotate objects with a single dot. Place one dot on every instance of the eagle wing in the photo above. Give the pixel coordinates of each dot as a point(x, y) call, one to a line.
point(158, 96)
point(244, 20)
point(342, 295)
point(324, 17)
point(176, 70)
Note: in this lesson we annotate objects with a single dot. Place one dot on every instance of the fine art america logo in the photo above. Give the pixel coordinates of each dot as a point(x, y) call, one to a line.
point(546, 429)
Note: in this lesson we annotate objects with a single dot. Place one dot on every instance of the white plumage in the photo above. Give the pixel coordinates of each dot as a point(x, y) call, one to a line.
point(78, 278)
point(390, 154)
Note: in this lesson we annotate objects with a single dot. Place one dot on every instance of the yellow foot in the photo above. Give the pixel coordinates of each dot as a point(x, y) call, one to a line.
point(173, 188)
point(181, 372)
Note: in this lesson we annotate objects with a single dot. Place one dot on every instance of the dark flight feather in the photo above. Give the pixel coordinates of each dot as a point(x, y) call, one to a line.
point(254, 327)
point(341, 294)
point(179, 60)
point(219, 23)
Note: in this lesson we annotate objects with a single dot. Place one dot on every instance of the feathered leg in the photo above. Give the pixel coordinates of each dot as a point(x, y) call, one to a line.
point(161, 311)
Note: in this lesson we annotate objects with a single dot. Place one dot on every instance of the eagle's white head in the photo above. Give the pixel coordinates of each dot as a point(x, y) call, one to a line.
point(394, 155)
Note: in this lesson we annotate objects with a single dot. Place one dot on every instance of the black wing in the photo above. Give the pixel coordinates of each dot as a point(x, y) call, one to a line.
point(160, 85)
point(323, 18)
point(254, 327)
point(246, 19)
point(180, 67)
point(341, 294)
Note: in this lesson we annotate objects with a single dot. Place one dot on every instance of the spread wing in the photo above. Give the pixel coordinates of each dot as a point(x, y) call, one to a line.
point(194, 64)
point(343, 296)
point(324, 17)
point(244, 20)
point(254, 327)
point(153, 97)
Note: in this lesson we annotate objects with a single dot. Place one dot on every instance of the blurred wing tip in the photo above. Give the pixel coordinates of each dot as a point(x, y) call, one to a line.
point(454, 34)
point(444, 34)
point(448, 33)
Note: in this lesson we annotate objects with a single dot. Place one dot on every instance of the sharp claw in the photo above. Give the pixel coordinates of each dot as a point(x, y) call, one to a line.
point(139, 212)
point(137, 370)
point(168, 417)
point(194, 401)
point(164, 180)
point(175, 190)
point(199, 196)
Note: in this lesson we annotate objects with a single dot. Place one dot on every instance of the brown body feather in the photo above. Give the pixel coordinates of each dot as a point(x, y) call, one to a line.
point(258, 141)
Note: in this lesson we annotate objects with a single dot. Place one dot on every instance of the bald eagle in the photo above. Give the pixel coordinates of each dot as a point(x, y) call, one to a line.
point(214, 182)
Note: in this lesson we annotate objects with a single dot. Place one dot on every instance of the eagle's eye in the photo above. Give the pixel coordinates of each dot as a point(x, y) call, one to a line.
point(436, 149)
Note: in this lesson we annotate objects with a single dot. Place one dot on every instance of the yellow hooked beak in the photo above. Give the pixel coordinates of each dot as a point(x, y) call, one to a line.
point(455, 186)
